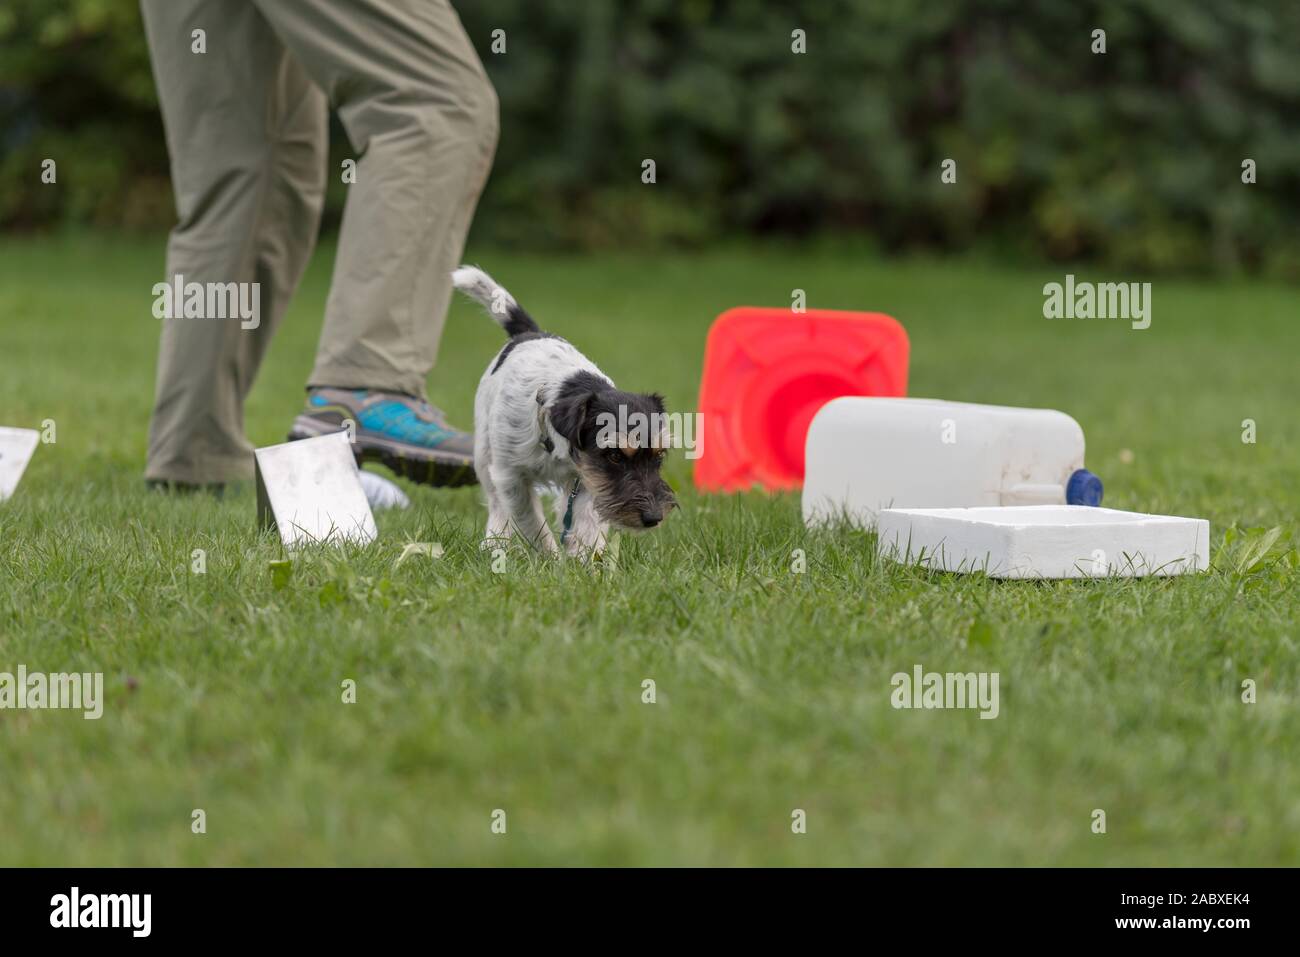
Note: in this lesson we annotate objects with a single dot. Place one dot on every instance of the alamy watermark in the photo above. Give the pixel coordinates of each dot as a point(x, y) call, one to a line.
point(179, 299)
point(655, 430)
point(37, 690)
point(934, 690)
point(1106, 300)
point(74, 909)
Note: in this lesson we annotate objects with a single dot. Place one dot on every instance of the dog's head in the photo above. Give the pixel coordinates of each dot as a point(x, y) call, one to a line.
point(618, 441)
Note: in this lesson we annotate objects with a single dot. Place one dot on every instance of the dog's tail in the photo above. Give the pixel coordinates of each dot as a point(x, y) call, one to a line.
point(492, 296)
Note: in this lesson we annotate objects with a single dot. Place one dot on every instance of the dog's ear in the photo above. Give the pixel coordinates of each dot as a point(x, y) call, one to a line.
point(657, 401)
point(569, 415)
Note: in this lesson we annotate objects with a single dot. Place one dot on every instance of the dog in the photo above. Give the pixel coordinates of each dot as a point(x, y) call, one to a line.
point(546, 416)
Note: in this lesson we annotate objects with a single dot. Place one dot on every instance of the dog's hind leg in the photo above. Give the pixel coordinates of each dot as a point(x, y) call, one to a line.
point(498, 521)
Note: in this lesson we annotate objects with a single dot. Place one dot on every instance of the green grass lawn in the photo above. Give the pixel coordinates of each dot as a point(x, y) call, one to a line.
point(523, 691)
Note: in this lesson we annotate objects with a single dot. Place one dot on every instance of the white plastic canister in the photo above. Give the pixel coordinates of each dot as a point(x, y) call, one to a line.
point(865, 454)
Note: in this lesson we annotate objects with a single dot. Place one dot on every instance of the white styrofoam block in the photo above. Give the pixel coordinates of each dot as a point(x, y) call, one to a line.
point(1045, 541)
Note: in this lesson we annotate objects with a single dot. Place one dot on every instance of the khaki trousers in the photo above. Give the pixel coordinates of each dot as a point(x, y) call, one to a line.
point(246, 124)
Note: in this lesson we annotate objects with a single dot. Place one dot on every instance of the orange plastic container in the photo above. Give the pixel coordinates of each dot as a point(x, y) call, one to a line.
point(768, 371)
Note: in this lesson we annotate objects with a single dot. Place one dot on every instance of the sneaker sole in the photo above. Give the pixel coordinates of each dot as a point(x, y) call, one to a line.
point(432, 468)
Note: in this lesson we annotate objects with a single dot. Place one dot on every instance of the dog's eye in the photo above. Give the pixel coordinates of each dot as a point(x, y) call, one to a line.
point(614, 455)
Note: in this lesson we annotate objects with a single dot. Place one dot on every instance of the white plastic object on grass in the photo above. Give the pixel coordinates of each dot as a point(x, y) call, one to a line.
point(16, 449)
point(308, 491)
point(865, 454)
point(1044, 541)
point(382, 493)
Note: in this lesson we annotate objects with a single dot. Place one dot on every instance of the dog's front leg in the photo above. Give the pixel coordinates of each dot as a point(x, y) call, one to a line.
point(587, 532)
point(526, 515)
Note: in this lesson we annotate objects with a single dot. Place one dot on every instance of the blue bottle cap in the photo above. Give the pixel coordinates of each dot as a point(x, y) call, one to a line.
point(1083, 488)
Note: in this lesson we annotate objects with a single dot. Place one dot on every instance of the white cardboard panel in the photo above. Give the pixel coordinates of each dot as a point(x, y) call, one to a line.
point(16, 449)
point(1045, 541)
point(310, 490)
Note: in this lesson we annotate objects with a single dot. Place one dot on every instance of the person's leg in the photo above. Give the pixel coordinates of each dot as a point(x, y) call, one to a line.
point(247, 132)
point(422, 116)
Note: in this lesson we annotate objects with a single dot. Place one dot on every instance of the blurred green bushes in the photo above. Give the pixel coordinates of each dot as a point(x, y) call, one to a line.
point(1132, 158)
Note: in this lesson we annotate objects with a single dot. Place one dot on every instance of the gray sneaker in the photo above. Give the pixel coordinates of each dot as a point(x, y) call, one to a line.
point(406, 434)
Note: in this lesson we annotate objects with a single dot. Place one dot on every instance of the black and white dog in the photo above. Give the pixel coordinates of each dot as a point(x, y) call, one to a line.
point(545, 415)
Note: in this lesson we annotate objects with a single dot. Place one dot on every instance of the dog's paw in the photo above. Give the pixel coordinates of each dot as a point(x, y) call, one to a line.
point(601, 553)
